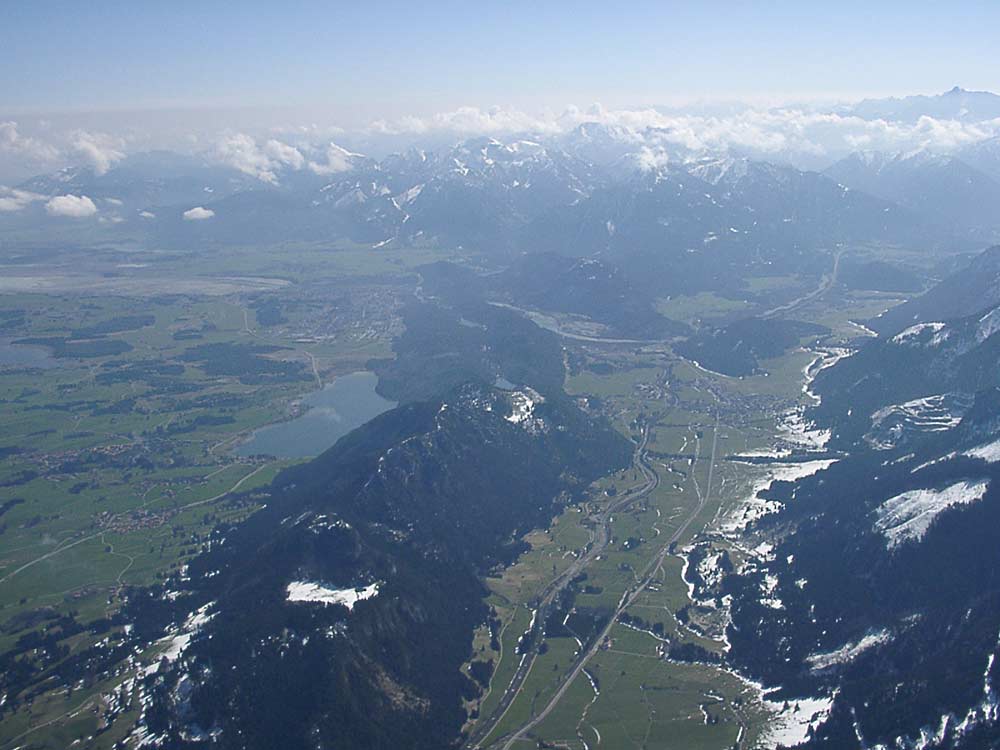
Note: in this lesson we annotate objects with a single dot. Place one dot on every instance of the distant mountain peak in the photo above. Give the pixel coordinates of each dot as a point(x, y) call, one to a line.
point(955, 104)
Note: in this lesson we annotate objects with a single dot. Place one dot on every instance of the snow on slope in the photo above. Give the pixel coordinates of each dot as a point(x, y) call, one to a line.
point(907, 516)
point(988, 452)
point(309, 591)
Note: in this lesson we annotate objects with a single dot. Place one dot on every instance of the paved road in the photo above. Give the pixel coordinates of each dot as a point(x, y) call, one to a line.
point(825, 283)
point(629, 598)
point(545, 600)
point(315, 369)
point(543, 320)
point(70, 545)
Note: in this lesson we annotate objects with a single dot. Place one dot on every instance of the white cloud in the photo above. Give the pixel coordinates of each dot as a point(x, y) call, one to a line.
point(73, 206)
point(198, 213)
point(649, 159)
point(337, 160)
point(147, 214)
point(12, 141)
point(242, 152)
point(12, 199)
point(99, 150)
point(282, 153)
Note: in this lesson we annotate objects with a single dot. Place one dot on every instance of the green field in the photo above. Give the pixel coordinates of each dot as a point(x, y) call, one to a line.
point(116, 455)
point(645, 699)
point(116, 464)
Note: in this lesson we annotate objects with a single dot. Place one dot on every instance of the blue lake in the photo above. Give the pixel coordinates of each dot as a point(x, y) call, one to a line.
point(346, 403)
point(19, 356)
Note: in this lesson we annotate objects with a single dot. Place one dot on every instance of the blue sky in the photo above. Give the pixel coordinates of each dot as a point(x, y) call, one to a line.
point(357, 61)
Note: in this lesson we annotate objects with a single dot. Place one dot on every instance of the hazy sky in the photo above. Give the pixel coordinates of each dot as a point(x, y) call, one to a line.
point(356, 61)
point(90, 81)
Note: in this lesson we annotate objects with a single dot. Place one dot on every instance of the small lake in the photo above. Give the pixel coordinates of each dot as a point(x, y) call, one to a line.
point(346, 403)
point(20, 356)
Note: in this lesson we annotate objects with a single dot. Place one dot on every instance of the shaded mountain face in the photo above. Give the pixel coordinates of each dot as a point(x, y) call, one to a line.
point(969, 290)
point(363, 577)
point(718, 207)
point(946, 189)
point(591, 287)
point(736, 349)
point(880, 594)
point(920, 379)
point(444, 346)
point(859, 273)
point(886, 596)
point(984, 156)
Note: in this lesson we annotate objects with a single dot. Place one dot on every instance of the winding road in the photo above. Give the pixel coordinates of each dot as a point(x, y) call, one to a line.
point(68, 545)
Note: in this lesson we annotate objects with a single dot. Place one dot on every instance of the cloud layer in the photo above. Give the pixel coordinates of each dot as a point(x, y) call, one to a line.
point(802, 135)
point(793, 133)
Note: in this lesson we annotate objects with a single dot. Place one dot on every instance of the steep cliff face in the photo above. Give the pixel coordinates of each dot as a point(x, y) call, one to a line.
point(340, 615)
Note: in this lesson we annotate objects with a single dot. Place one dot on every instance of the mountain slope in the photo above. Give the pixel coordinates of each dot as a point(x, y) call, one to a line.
point(944, 188)
point(878, 595)
point(363, 574)
point(970, 290)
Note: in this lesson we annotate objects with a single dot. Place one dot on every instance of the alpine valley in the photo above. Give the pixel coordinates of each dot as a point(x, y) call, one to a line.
point(595, 435)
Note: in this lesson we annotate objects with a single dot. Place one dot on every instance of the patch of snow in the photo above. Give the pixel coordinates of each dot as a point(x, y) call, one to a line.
point(988, 324)
point(523, 403)
point(936, 413)
point(795, 430)
point(824, 358)
point(849, 651)
point(767, 588)
point(310, 591)
point(410, 195)
point(754, 507)
point(793, 720)
point(865, 330)
point(178, 641)
point(988, 452)
point(907, 516)
point(764, 453)
point(933, 461)
point(917, 335)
